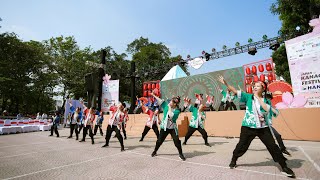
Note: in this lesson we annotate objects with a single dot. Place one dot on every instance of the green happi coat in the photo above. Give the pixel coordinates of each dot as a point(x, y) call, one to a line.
point(173, 117)
point(196, 119)
point(251, 118)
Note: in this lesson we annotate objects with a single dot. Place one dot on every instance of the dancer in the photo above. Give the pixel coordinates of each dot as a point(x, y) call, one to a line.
point(152, 122)
point(124, 122)
point(210, 101)
point(88, 123)
point(197, 121)
point(99, 122)
point(255, 123)
point(75, 118)
point(114, 123)
point(168, 124)
point(56, 121)
point(229, 101)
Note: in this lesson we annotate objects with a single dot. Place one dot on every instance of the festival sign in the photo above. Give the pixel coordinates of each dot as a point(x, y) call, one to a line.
point(304, 63)
point(110, 93)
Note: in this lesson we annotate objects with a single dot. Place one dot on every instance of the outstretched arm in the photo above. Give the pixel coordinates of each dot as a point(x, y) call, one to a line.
point(157, 98)
point(223, 81)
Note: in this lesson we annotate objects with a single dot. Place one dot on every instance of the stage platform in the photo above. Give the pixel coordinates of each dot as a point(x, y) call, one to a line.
point(37, 156)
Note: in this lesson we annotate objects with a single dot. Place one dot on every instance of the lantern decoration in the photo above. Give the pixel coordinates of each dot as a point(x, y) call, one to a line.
point(153, 86)
point(149, 86)
point(145, 87)
point(149, 93)
point(254, 70)
point(260, 67)
point(262, 77)
point(248, 80)
point(270, 77)
point(158, 86)
point(255, 78)
point(248, 70)
point(249, 89)
point(268, 67)
point(145, 93)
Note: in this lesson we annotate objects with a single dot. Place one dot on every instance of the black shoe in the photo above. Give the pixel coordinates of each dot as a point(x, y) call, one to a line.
point(207, 144)
point(285, 152)
point(69, 137)
point(58, 136)
point(288, 172)
point(125, 138)
point(51, 135)
point(153, 154)
point(122, 149)
point(184, 143)
point(140, 140)
point(106, 145)
point(182, 157)
point(233, 164)
point(82, 140)
point(92, 142)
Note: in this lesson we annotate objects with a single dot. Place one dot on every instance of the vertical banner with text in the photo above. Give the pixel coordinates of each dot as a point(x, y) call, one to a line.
point(110, 95)
point(304, 62)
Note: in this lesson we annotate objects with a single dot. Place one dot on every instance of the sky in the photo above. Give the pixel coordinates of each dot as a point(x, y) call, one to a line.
point(184, 26)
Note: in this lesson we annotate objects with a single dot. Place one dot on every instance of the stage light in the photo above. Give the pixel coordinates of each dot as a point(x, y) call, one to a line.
point(274, 46)
point(206, 55)
point(252, 51)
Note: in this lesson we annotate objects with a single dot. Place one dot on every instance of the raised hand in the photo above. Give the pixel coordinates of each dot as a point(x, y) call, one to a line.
point(221, 79)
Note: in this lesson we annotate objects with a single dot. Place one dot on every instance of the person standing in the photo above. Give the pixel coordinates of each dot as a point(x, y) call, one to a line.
point(74, 120)
point(88, 123)
point(114, 122)
point(197, 121)
point(99, 122)
point(168, 124)
point(152, 122)
point(255, 123)
point(56, 121)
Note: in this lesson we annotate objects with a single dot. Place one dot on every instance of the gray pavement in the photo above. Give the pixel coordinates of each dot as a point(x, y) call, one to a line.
point(37, 156)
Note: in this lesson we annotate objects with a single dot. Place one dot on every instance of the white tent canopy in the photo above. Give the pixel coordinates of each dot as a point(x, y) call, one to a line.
point(174, 73)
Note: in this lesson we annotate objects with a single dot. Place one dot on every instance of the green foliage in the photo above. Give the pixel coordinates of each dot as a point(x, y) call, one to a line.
point(292, 13)
point(26, 78)
point(250, 40)
point(282, 67)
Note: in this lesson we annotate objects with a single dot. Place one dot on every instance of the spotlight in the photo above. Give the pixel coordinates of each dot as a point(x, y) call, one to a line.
point(206, 55)
point(274, 46)
point(252, 51)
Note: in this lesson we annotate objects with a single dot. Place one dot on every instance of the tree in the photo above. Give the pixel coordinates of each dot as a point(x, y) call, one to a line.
point(26, 81)
point(153, 60)
point(292, 13)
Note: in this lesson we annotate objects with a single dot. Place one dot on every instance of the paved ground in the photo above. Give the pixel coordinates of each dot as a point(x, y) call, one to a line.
point(37, 156)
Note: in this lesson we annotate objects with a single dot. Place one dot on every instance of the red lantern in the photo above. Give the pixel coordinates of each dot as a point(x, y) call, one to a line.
point(255, 78)
point(268, 67)
point(254, 69)
point(248, 80)
point(249, 89)
point(144, 86)
point(270, 77)
point(153, 86)
point(248, 70)
point(145, 94)
point(260, 67)
point(262, 77)
point(149, 93)
point(158, 86)
point(149, 86)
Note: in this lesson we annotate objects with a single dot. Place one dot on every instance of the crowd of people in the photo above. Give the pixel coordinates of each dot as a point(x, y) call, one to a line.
point(257, 121)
